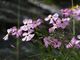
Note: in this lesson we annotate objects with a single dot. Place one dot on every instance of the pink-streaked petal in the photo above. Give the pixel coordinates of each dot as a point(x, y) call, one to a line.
point(69, 45)
point(72, 43)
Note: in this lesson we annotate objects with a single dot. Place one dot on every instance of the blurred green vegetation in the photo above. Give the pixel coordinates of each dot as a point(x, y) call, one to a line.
point(48, 1)
point(62, 3)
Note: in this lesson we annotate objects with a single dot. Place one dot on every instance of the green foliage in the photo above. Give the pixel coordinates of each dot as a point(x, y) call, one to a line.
point(48, 1)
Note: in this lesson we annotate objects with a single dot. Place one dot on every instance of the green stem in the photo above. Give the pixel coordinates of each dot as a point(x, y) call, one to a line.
point(17, 48)
point(73, 31)
point(73, 20)
point(17, 42)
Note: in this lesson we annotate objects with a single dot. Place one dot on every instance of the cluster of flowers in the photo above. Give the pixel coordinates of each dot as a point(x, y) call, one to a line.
point(26, 32)
point(57, 22)
point(75, 12)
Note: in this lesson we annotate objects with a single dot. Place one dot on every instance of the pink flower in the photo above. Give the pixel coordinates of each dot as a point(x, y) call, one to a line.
point(76, 13)
point(64, 22)
point(57, 22)
point(55, 43)
point(52, 42)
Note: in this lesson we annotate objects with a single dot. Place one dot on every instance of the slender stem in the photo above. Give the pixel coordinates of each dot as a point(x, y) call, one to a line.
point(17, 42)
point(73, 31)
point(17, 48)
point(73, 20)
